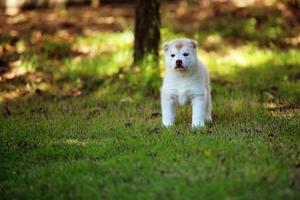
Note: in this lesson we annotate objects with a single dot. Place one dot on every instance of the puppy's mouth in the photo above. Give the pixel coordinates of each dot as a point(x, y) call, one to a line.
point(180, 67)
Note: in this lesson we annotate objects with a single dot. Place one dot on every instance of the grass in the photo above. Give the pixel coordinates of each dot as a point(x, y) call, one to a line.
point(89, 148)
point(87, 124)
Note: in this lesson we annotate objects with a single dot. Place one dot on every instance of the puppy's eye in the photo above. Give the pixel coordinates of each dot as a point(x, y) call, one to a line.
point(185, 54)
point(172, 55)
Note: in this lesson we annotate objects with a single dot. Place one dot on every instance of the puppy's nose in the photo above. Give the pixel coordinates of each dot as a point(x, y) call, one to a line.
point(178, 62)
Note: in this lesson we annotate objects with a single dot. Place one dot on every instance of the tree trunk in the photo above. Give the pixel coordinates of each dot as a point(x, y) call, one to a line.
point(146, 33)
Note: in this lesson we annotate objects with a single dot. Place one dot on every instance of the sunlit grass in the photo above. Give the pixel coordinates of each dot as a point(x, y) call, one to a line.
point(106, 42)
point(234, 59)
point(92, 59)
point(99, 56)
point(106, 53)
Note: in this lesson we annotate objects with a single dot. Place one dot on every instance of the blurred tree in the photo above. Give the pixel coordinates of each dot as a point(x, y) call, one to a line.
point(146, 33)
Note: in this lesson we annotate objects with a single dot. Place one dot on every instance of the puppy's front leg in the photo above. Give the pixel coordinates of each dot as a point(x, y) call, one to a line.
point(199, 110)
point(168, 111)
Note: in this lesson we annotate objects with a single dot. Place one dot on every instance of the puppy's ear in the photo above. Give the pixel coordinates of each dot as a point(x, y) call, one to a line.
point(194, 44)
point(166, 46)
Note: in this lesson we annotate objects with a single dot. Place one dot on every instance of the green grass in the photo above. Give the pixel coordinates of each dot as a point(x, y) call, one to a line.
point(92, 148)
point(91, 127)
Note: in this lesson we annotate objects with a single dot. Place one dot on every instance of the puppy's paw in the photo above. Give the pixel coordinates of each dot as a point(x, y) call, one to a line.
point(167, 125)
point(198, 124)
point(208, 118)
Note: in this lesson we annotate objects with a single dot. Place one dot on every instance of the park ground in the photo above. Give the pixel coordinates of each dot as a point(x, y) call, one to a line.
point(79, 121)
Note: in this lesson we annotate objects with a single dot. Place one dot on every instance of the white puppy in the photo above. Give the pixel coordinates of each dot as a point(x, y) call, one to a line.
point(186, 81)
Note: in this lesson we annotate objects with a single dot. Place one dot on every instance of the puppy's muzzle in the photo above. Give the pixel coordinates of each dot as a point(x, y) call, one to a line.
point(179, 65)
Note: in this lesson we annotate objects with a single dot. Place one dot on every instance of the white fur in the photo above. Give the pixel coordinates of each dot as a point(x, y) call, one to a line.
point(190, 85)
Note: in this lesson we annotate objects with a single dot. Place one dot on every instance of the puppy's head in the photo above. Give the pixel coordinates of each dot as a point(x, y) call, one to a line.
point(180, 54)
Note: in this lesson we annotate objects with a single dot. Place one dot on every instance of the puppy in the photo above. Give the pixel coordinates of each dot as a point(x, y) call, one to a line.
point(186, 81)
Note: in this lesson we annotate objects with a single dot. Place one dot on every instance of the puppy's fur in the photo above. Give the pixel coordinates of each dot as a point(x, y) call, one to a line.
point(186, 81)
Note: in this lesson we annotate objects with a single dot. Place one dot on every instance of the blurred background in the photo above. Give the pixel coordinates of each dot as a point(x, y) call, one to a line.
point(76, 47)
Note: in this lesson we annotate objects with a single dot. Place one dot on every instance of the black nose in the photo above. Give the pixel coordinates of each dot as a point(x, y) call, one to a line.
point(178, 62)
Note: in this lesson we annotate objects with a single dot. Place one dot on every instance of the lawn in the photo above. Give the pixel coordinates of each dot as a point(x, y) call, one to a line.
point(80, 122)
